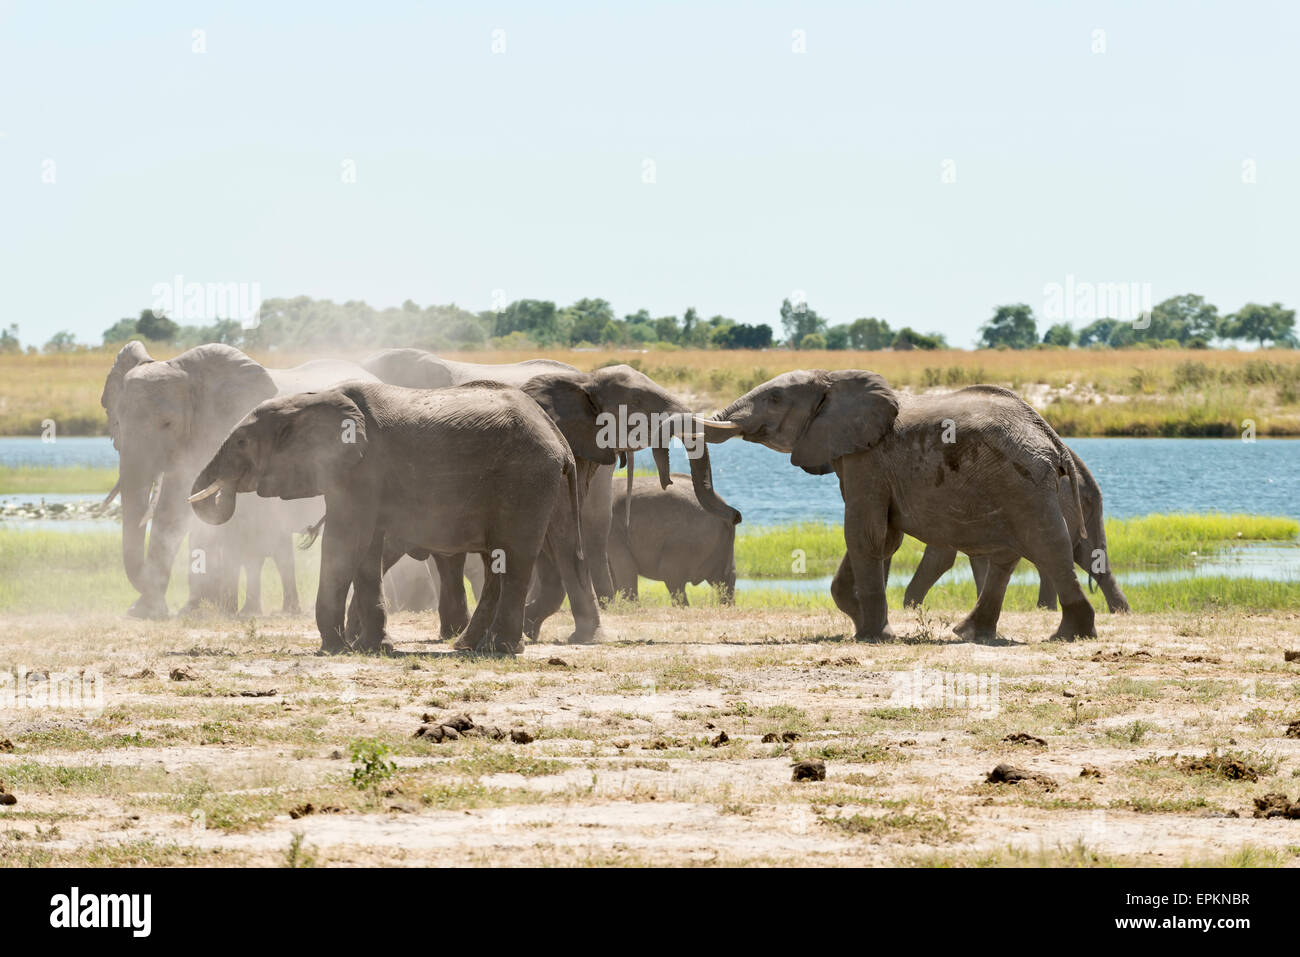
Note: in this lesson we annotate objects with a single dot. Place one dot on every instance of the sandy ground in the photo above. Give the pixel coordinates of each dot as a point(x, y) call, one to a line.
point(627, 765)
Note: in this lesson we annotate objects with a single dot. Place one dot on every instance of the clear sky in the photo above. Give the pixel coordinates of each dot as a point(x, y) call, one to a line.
point(524, 170)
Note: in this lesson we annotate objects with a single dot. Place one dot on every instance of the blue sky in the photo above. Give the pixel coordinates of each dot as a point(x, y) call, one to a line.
point(522, 171)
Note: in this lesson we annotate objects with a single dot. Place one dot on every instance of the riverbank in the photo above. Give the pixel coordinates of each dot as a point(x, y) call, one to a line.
point(1133, 392)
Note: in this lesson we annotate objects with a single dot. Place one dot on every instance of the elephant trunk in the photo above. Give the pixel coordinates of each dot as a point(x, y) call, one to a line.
point(135, 486)
point(702, 480)
point(212, 496)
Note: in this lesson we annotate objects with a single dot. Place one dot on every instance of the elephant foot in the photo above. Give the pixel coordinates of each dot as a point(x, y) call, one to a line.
point(1047, 606)
point(149, 609)
point(491, 644)
point(290, 608)
point(884, 634)
point(976, 631)
point(585, 637)
point(1078, 620)
point(912, 601)
point(250, 611)
point(451, 631)
point(532, 630)
point(333, 646)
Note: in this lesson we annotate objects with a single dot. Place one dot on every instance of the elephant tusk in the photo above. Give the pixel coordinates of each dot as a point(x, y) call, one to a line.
point(717, 423)
point(153, 501)
point(208, 492)
point(117, 486)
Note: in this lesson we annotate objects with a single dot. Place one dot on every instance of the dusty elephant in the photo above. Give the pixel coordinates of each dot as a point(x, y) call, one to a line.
point(671, 539)
point(166, 419)
point(392, 465)
point(1090, 554)
point(976, 470)
point(412, 585)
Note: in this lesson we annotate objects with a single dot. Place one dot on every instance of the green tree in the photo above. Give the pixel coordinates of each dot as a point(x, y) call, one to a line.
point(813, 340)
point(156, 327)
point(742, 336)
point(1012, 327)
point(908, 338)
point(870, 333)
point(1189, 316)
point(1061, 334)
point(1099, 333)
point(9, 343)
point(587, 319)
point(800, 321)
point(61, 341)
point(120, 331)
point(667, 329)
point(837, 337)
point(534, 318)
point(1263, 324)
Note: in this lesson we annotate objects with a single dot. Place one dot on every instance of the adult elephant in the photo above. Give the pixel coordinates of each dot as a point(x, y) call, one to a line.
point(976, 470)
point(418, 369)
point(166, 419)
point(606, 415)
point(1090, 554)
point(393, 465)
point(671, 539)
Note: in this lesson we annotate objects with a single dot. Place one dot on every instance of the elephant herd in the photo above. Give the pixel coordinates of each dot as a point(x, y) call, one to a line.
point(408, 464)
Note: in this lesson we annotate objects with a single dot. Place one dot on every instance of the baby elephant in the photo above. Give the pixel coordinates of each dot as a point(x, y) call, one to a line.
point(473, 469)
point(672, 539)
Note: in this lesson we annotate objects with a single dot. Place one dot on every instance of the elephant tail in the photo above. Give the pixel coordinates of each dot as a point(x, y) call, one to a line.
point(311, 533)
point(1067, 463)
point(575, 504)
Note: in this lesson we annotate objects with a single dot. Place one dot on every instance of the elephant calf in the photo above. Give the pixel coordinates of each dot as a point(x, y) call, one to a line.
point(672, 539)
point(474, 469)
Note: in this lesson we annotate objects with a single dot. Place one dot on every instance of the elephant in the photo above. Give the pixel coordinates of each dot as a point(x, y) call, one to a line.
point(166, 419)
point(575, 401)
point(476, 469)
point(671, 539)
point(1091, 554)
point(418, 369)
point(975, 470)
point(606, 415)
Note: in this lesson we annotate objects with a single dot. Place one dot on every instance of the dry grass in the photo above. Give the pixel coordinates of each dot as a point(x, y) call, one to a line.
point(623, 769)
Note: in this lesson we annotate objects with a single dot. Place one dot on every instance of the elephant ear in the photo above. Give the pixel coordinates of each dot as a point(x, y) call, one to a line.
point(225, 386)
point(318, 444)
point(131, 355)
point(566, 400)
point(856, 410)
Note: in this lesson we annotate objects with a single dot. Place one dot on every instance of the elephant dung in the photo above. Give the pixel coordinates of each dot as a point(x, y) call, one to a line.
point(5, 797)
point(1276, 805)
point(1024, 737)
point(1292, 731)
point(1009, 774)
point(720, 740)
point(809, 769)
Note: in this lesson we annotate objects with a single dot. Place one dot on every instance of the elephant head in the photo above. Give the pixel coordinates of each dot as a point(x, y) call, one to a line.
point(296, 446)
point(410, 368)
point(617, 411)
point(814, 415)
point(166, 418)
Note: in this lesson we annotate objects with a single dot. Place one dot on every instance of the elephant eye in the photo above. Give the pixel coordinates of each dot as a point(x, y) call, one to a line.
point(241, 442)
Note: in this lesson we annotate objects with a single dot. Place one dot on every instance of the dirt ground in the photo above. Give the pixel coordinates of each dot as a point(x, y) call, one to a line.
point(229, 742)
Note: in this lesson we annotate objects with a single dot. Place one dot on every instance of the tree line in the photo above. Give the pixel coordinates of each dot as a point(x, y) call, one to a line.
point(1185, 321)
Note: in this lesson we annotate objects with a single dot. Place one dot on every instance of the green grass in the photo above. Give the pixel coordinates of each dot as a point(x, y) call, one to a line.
point(49, 480)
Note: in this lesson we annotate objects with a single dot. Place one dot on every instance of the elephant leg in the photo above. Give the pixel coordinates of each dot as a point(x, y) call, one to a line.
point(871, 544)
point(622, 568)
point(1053, 553)
point(1046, 593)
point(547, 598)
point(392, 552)
point(677, 591)
point(844, 589)
point(582, 597)
point(284, 565)
point(342, 545)
point(483, 612)
point(171, 523)
point(726, 588)
point(935, 562)
point(979, 569)
point(982, 623)
point(368, 596)
point(453, 606)
point(597, 505)
point(505, 629)
point(253, 587)
point(474, 574)
point(1095, 560)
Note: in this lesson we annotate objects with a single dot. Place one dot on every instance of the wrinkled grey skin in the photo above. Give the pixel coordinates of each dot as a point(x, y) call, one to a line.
point(1090, 554)
point(418, 369)
point(577, 403)
point(166, 419)
point(573, 400)
point(672, 540)
point(992, 491)
point(392, 464)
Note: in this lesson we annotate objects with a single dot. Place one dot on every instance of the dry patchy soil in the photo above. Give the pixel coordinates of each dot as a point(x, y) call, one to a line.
point(629, 765)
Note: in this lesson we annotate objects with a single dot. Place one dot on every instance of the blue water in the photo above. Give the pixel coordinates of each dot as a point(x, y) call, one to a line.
point(1137, 476)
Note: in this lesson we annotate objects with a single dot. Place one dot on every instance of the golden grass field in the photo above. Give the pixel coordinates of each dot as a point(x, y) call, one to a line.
point(225, 742)
point(1080, 391)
